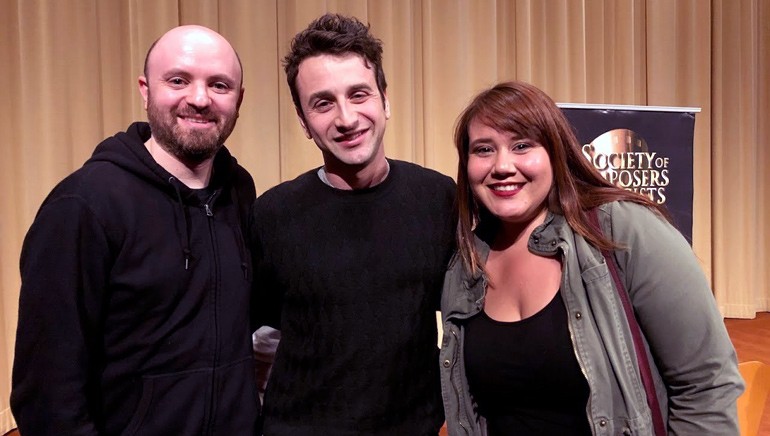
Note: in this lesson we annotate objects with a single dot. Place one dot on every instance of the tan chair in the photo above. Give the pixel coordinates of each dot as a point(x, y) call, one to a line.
point(751, 404)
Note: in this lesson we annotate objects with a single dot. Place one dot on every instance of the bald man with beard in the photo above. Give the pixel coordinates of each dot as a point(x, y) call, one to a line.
point(133, 315)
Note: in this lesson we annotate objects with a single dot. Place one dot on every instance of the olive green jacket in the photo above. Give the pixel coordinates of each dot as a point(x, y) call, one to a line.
point(692, 359)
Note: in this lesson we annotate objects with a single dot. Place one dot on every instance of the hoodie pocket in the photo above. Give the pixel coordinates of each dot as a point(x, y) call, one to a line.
point(237, 398)
point(172, 404)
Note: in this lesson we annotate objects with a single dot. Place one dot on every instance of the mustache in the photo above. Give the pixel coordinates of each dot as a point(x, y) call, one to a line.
point(192, 112)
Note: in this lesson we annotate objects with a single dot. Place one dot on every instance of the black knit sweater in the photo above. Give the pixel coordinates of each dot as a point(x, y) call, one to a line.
point(352, 279)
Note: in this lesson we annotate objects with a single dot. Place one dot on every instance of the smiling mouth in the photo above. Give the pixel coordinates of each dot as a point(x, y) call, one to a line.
point(507, 188)
point(350, 137)
point(195, 121)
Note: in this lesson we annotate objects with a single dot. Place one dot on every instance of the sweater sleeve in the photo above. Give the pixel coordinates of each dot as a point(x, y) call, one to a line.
point(64, 266)
point(680, 321)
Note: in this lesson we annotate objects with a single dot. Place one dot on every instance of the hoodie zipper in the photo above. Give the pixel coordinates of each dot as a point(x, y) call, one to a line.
point(207, 207)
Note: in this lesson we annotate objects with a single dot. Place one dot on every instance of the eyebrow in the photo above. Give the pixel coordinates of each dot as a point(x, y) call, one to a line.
point(185, 73)
point(326, 94)
point(483, 140)
point(513, 136)
point(319, 96)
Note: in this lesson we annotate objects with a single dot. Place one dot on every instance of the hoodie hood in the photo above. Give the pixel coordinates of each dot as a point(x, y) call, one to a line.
point(127, 151)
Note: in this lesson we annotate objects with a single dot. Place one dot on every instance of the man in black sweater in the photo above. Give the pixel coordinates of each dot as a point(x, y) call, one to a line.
point(350, 257)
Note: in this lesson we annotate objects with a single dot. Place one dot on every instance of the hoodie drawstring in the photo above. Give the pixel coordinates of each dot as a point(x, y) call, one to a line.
point(241, 216)
point(186, 253)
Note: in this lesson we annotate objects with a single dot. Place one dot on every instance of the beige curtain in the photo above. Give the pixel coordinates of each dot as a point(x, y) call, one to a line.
point(69, 72)
point(741, 137)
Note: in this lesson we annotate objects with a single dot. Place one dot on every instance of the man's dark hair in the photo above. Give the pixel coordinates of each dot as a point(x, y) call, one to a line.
point(338, 35)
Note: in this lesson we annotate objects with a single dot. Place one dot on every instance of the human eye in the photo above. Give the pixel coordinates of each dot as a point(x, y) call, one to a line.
point(359, 96)
point(482, 150)
point(322, 105)
point(221, 87)
point(177, 82)
point(521, 146)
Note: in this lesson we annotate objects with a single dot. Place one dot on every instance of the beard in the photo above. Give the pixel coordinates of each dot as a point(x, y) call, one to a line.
point(188, 145)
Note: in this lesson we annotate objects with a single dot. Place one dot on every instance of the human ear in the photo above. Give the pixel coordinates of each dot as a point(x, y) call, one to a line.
point(144, 89)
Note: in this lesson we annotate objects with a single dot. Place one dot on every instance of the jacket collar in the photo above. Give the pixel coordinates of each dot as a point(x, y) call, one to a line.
point(545, 240)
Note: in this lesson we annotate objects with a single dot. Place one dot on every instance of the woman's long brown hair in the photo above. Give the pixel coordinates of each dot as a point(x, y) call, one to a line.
point(525, 110)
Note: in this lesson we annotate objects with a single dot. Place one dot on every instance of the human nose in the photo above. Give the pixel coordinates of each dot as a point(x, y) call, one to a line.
point(199, 96)
point(504, 163)
point(347, 118)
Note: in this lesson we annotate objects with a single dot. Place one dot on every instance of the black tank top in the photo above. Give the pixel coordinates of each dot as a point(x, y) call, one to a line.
point(524, 375)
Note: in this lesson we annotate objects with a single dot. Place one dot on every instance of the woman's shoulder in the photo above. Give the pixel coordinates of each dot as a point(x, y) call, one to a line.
point(626, 220)
point(628, 212)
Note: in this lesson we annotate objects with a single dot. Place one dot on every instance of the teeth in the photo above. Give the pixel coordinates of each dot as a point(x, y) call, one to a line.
point(350, 137)
point(190, 119)
point(506, 187)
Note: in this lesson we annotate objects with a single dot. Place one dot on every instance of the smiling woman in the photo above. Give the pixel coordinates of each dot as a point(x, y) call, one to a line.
point(531, 308)
point(510, 175)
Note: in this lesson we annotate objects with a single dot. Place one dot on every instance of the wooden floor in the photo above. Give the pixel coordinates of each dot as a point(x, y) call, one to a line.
point(751, 338)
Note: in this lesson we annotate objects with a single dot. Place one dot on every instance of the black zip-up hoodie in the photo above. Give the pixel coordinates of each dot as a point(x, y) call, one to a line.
point(133, 315)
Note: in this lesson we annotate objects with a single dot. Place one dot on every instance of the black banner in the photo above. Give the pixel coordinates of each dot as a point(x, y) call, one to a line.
point(643, 149)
